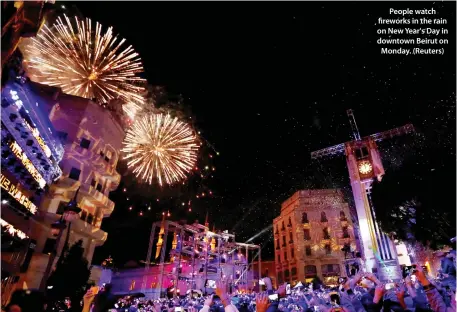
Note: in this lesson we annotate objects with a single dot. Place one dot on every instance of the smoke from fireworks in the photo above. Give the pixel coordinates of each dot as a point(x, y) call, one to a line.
point(160, 147)
point(86, 62)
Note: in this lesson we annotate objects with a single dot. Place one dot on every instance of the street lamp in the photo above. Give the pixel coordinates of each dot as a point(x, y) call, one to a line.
point(71, 212)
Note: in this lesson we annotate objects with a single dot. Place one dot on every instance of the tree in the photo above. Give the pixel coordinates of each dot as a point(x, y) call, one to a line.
point(70, 276)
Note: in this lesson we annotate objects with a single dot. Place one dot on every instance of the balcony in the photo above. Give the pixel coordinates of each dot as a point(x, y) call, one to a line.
point(90, 230)
point(98, 199)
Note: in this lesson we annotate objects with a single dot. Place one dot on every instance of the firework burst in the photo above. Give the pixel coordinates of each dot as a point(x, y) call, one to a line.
point(160, 147)
point(86, 62)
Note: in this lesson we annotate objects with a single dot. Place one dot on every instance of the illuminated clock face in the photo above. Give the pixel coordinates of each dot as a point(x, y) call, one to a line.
point(365, 167)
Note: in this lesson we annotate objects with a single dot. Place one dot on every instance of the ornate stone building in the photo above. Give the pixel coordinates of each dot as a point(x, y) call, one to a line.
point(313, 237)
point(92, 136)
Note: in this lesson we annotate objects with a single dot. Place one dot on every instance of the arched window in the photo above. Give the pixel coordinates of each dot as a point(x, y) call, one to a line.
point(283, 228)
point(345, 232)
point(323, 217)
point(280, 278)
point(310, 270)
point(343, 216)
point(290, 223)
point(304, 218)
point(308, 250)
point(326, 233)
point(306, 234)
point(294, 271)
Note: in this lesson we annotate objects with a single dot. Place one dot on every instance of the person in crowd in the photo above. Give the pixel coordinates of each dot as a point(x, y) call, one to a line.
point(26, 300)
point(448, 269)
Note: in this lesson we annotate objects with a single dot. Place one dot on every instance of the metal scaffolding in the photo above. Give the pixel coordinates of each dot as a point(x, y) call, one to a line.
point(202, 249)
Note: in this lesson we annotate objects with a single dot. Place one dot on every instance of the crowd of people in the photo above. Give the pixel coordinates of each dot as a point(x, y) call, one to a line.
point(361, 292)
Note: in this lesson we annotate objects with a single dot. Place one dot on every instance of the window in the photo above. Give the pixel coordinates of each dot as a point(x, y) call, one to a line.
point(99, 187)
point(294, 271)
point(323, 217)
point(290, 223)
point(308, 250)
point(83, 215)
point(291, 237)
point(93, 183)
point(279, 258)
point(277, 243)
point(283, 241)
point(61, 208)
point(85, 143)
point(342, 216)
point(304, 218)
point(286, 274)
point(328, 249)
point(102, 154)
point(74, 174)
point(280, 279)
point(345, 232)
point(292, 253)
point(90, 218)
point(306, 234)
point(49, 246)
point(283, 228)
point(285, 255)
point(330, 269)
point(276, 232)
point(310, 270)
point(326, 233)
point(361, 153)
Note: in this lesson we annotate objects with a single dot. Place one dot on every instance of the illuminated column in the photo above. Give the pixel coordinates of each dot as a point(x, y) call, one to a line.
point(213, 241)
point(160, 240)
point(363, 214)
point(174, 243)
point(379, 251)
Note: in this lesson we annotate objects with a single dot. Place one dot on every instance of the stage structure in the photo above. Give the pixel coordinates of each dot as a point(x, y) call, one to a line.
point(364, 165)
point(197, 255)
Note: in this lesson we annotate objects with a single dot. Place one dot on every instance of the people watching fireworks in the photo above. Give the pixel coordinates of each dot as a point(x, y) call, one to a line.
point(362, 292)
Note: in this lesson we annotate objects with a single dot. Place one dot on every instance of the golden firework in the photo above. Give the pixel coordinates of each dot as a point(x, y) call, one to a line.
point(160, 147)
point(86, 62)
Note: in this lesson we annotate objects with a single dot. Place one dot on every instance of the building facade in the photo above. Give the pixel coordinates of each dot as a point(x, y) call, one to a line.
point(31, 153)
point(92, 136)
point(314, 237)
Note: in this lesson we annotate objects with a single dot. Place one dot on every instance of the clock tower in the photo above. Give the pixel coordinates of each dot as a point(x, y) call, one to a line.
point(364, 165)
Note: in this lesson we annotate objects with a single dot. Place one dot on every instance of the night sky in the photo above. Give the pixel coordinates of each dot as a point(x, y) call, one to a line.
point(267, 84)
